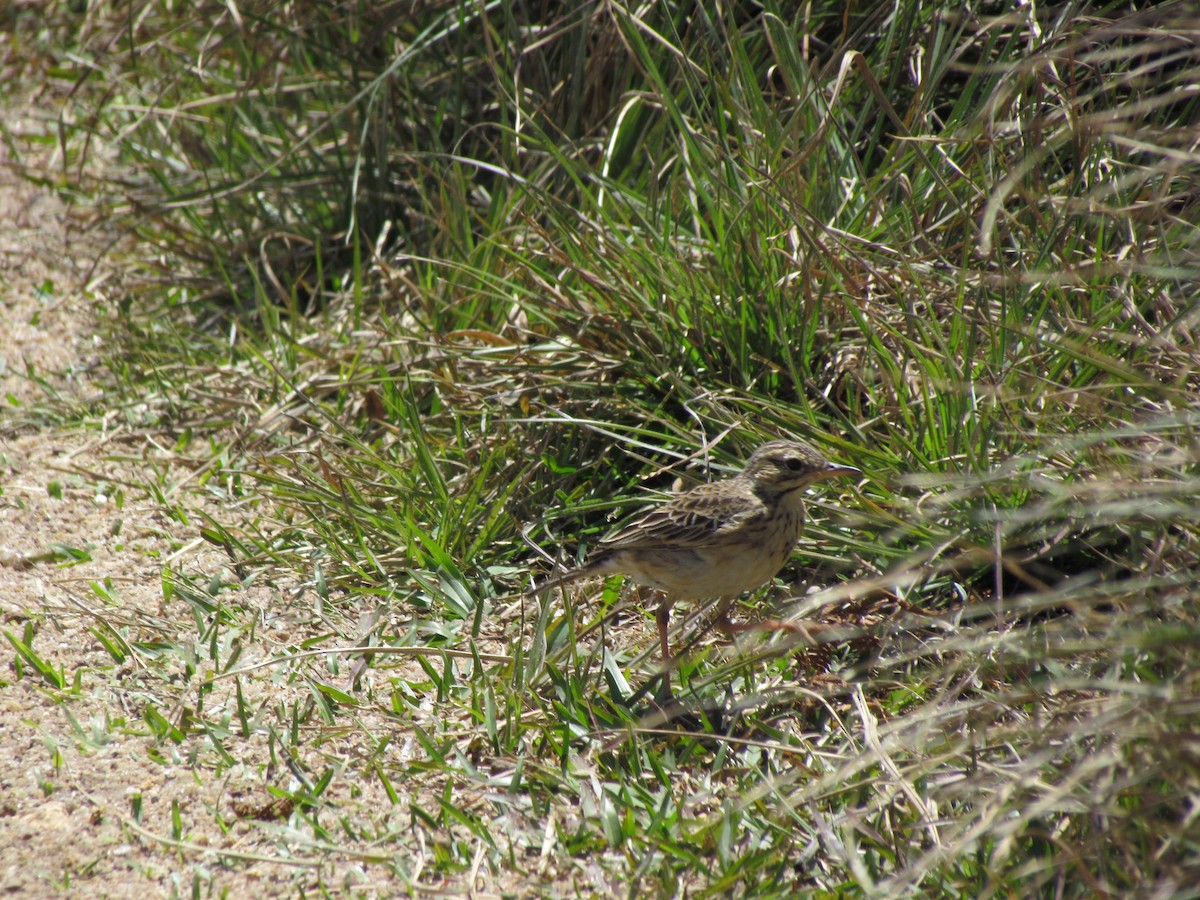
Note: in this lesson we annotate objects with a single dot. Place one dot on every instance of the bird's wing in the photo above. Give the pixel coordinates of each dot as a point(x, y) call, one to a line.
point(690, 520)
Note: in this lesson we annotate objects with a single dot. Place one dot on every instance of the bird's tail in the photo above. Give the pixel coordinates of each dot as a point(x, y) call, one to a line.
point(564, 578)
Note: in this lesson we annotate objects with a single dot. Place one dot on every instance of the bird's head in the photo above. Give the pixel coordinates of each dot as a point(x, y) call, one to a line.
point(783, 466)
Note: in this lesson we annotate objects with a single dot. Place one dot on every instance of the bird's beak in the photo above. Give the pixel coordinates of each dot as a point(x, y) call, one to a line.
point(837, 470)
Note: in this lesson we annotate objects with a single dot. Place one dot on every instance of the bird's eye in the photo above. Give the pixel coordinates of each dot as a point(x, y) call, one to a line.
point(794, 464)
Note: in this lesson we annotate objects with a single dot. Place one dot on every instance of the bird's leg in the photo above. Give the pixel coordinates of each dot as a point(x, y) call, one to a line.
point(662, 616)
point(721, 620)
point(729, 628)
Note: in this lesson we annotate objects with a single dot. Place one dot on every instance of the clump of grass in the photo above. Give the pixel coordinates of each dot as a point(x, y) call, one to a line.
point(438, 323)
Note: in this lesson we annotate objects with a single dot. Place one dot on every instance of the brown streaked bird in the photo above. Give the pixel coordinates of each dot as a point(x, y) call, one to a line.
point(718, 540)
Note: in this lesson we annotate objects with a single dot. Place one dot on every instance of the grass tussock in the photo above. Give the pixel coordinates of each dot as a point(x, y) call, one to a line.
point(453, 286)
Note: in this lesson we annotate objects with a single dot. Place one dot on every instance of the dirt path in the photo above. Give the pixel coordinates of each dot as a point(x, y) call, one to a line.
point(131, 764)
point(82, 552)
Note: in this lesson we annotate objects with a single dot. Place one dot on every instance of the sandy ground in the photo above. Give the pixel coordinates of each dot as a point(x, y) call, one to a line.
point(65, 786)
point(137, 776)
point(86, 795)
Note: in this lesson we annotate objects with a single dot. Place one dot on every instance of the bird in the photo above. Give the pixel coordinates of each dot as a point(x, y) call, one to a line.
point(715, 541)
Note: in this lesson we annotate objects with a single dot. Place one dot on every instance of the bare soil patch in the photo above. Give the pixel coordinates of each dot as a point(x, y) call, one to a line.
point(159, 707)
point(97, 788)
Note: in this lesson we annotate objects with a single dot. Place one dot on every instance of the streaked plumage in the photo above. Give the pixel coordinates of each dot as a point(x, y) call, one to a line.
point(717, 540)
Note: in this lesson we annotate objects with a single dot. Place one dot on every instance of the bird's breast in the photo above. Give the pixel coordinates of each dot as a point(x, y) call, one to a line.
point(733, 564)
